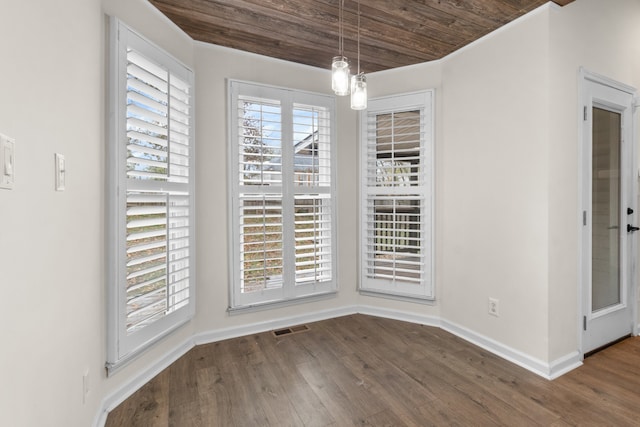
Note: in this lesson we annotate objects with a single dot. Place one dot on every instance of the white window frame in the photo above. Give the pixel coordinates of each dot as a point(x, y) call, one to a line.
point(372, 281)
point(179, 244)
point(289, 291)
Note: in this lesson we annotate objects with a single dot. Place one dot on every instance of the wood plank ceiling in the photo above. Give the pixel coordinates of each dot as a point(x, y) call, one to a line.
point(393, 33)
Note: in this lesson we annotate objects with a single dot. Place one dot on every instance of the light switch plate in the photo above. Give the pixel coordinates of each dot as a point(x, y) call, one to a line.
point(60, 172)
point(7, 162)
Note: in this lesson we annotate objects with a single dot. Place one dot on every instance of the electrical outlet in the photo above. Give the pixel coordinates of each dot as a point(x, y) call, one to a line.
point(494, 308)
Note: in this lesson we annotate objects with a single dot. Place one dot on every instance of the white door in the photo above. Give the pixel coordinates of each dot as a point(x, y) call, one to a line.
point(609, 212)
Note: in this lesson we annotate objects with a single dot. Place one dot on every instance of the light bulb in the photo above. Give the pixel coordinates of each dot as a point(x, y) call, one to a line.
point(340, 76)
point(358, 92)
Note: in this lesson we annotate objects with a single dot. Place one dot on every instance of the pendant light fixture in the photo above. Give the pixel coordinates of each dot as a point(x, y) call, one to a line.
point(340, 72)
point(358, 81)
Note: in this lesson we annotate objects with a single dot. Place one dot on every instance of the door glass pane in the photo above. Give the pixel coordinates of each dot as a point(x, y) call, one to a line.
point(605, 288)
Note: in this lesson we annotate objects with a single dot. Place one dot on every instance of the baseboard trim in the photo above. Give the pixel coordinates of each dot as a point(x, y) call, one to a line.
point(399, 315)
point(564, 364)
point(537, 366)
point(549, 371)
point(514, 356)
point(546, 370)
point(283, 322)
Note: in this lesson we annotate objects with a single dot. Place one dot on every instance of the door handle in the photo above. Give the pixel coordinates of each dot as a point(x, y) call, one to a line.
point(631, 228)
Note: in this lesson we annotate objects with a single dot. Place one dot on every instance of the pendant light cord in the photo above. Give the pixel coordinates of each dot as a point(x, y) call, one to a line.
point(340, 28)
point(358, 36)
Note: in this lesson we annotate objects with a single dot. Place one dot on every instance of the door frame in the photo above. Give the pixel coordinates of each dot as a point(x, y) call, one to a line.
point(584, 77)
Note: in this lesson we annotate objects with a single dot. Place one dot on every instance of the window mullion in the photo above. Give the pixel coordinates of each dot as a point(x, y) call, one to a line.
point(288, 199)
point(167, 240)
point(169, 127)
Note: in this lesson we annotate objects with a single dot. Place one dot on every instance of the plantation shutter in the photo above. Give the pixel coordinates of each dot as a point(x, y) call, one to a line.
point(397, 185)
point(281, 194)
point(259, 123)
point(312, 203)
point(153, 157)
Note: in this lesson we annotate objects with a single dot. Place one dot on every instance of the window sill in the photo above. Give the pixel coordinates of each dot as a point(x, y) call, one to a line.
point(242, 309)
point(398, 297)
point(117, 365)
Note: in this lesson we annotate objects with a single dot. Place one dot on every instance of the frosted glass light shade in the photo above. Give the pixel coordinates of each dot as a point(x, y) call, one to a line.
point(359, 92)
point(340, 75)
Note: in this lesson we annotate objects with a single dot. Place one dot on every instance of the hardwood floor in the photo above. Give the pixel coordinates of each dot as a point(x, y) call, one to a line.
point(367, 371)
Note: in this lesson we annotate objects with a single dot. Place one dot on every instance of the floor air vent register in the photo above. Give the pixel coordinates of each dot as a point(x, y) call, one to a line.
point(291, 330)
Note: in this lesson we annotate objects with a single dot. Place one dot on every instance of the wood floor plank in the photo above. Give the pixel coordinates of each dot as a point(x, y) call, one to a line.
point(438, 413)
point(618, 362)
point(496, 385)
point(183, 394)
point(392, 384)
point(248, 408)
point(216, 404)
point(386, 418)
point(358, 401)
point(447, 383)
point(577, 407)
point(236, 400)
point(283, 355)
point(271, 395)
point(626, 378)
point(149, 406)
point(601, 387)
point(381, 337)
point(365, 371)
point(320, 342)
point(333, 397)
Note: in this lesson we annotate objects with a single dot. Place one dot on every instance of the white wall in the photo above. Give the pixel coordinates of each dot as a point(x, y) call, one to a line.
point(603, 37)
point(51, 252)
point(495, 185)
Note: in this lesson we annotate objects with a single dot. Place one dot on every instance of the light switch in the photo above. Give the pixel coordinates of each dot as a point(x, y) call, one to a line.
point(7, 162)
point(60, 172)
